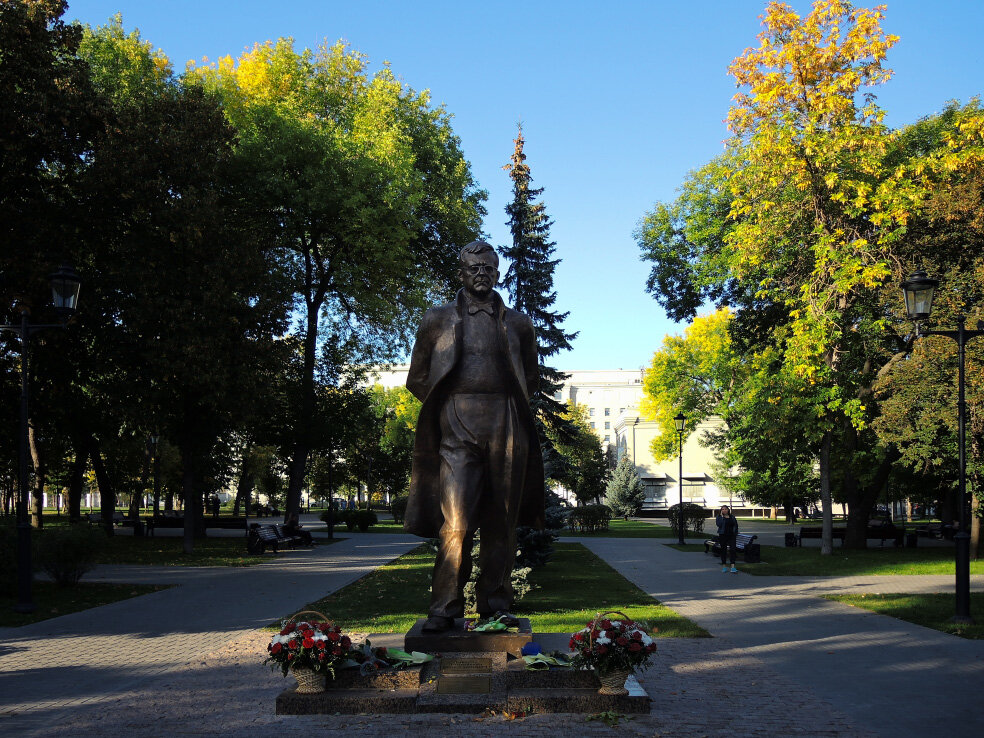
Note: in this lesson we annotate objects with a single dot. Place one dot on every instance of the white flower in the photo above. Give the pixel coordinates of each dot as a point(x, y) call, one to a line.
point(602, 640)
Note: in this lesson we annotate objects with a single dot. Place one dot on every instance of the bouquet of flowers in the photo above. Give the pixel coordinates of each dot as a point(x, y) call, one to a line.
point(319, 646)
point(611, 645)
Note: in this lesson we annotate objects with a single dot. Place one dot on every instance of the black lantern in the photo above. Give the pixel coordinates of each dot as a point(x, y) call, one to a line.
point(65, 284)
point(918, 291)
point(679, 421)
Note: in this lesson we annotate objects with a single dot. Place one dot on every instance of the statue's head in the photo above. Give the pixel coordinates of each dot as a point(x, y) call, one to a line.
point(479, 269)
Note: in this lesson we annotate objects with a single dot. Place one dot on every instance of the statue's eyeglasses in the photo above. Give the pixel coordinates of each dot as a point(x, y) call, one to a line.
point(477, 269)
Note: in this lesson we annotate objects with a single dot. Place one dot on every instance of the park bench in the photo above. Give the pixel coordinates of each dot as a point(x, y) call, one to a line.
point(261, 537)
point(936, 530)
point(95, 518)
point(744, 543)
point(881, 531)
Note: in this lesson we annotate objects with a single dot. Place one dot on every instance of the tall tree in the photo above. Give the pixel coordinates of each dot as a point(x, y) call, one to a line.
point(365, 192)
point(529, 281)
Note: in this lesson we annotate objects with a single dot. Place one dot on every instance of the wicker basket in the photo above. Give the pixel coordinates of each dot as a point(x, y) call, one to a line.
point(309, 681)
point(612, 682)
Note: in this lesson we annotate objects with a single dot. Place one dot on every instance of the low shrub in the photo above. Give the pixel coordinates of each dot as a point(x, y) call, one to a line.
point(65, 554)
point(693, 517)
point(361, 519)
point(519, 579)
point(399, 509)
point(589, 518)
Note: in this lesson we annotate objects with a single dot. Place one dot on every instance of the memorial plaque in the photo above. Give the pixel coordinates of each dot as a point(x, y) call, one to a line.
point(465, 665)
point(464, 685)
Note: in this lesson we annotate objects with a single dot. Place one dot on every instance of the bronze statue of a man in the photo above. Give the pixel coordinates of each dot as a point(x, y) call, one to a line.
point(476, 461)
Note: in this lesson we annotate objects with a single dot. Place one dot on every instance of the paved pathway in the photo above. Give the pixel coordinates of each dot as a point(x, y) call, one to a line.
point(187, 660)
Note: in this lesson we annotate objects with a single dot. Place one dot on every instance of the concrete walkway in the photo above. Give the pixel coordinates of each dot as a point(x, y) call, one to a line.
point(187, 660)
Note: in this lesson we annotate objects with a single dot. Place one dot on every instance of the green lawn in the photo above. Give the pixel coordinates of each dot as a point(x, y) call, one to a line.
point(929, 610)
point(619, 528)
point(51, 600)
point(574, 586)
point(162, 551)
point(781, 561)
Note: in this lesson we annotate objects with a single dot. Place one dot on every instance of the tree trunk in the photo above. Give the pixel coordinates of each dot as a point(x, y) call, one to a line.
point(107, 494)
point(40, 477)
point(191, 502)
point(826, 503)
point(137, 497)
point(244, 490)
point(76, 483)
point(305, 418)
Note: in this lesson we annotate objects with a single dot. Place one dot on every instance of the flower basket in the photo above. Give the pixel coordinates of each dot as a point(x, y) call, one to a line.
point(612, 647)
point(310, 649)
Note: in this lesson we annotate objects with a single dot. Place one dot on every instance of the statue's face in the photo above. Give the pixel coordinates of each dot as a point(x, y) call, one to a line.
point(479, 274)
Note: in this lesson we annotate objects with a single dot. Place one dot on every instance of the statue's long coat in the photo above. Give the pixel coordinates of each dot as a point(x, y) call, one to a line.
point(435, 354)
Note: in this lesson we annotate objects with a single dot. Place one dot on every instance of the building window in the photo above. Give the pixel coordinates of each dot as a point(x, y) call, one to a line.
point(693, 489)
point(608, 425)
point(621, 410)
point(592, 425)
point(608, 411)
point(591, 413)
point(655, 494)
point(607, 439)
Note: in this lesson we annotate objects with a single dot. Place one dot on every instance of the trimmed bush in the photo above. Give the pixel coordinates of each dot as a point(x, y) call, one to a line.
point(399, 509)
point(589, 519)
point(693, 518)
point(65, 554)
point(362, 519)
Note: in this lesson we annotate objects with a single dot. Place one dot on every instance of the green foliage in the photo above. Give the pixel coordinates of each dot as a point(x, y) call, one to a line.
point(534, 548)
point(693, 518)
point(625, 493)
point(584, 470)
point(8, 558)
point(355, 518)
point(589, 519)
point(66, 554)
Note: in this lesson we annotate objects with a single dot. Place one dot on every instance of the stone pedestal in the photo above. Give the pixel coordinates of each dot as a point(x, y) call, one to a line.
point(457, 639)
point(466, 680)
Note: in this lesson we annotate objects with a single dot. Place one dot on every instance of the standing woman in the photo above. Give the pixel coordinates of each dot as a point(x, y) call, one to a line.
point(727, 533)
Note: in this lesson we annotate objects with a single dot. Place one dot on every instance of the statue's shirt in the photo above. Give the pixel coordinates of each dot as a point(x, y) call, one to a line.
point(479, 368)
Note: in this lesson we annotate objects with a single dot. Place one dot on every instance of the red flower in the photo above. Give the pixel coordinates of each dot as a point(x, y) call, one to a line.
point(622, 641)
point(333, 636)
point(320, 645)
point(602, 650)
point(635, 647)
point(651, 647)
point(290, 657)
point(276, 648)
point(605, 624)
point(573, 644)
point(579, 636)
point(337, 651)
point(346, 641)
point(637, 635)
point(307, 643)
point(321, 656)
point(288, 629)
point(308, 633)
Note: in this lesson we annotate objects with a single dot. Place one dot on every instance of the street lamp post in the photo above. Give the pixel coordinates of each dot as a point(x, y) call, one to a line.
point(918, 291)
point(680, 421)
point(65, 294)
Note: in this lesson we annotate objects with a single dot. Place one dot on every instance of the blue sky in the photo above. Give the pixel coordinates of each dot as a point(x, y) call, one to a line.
point(619, 100)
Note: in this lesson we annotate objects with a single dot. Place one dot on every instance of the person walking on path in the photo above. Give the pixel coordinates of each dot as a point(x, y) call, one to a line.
point(727, 533)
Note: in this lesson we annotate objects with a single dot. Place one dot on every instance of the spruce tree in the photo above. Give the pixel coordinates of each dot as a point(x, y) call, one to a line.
point(529, 281)
point(625, 493)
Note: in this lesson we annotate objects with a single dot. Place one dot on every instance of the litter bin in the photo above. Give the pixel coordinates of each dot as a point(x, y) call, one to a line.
point(753, 553)
point(910, 540)
point(790, 540)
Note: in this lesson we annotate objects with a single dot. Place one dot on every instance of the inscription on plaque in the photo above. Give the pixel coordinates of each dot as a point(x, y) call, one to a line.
point(465, 666)
point(464, 685)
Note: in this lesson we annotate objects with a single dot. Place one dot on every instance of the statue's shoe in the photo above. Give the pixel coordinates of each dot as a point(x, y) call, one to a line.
point(437, 624)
